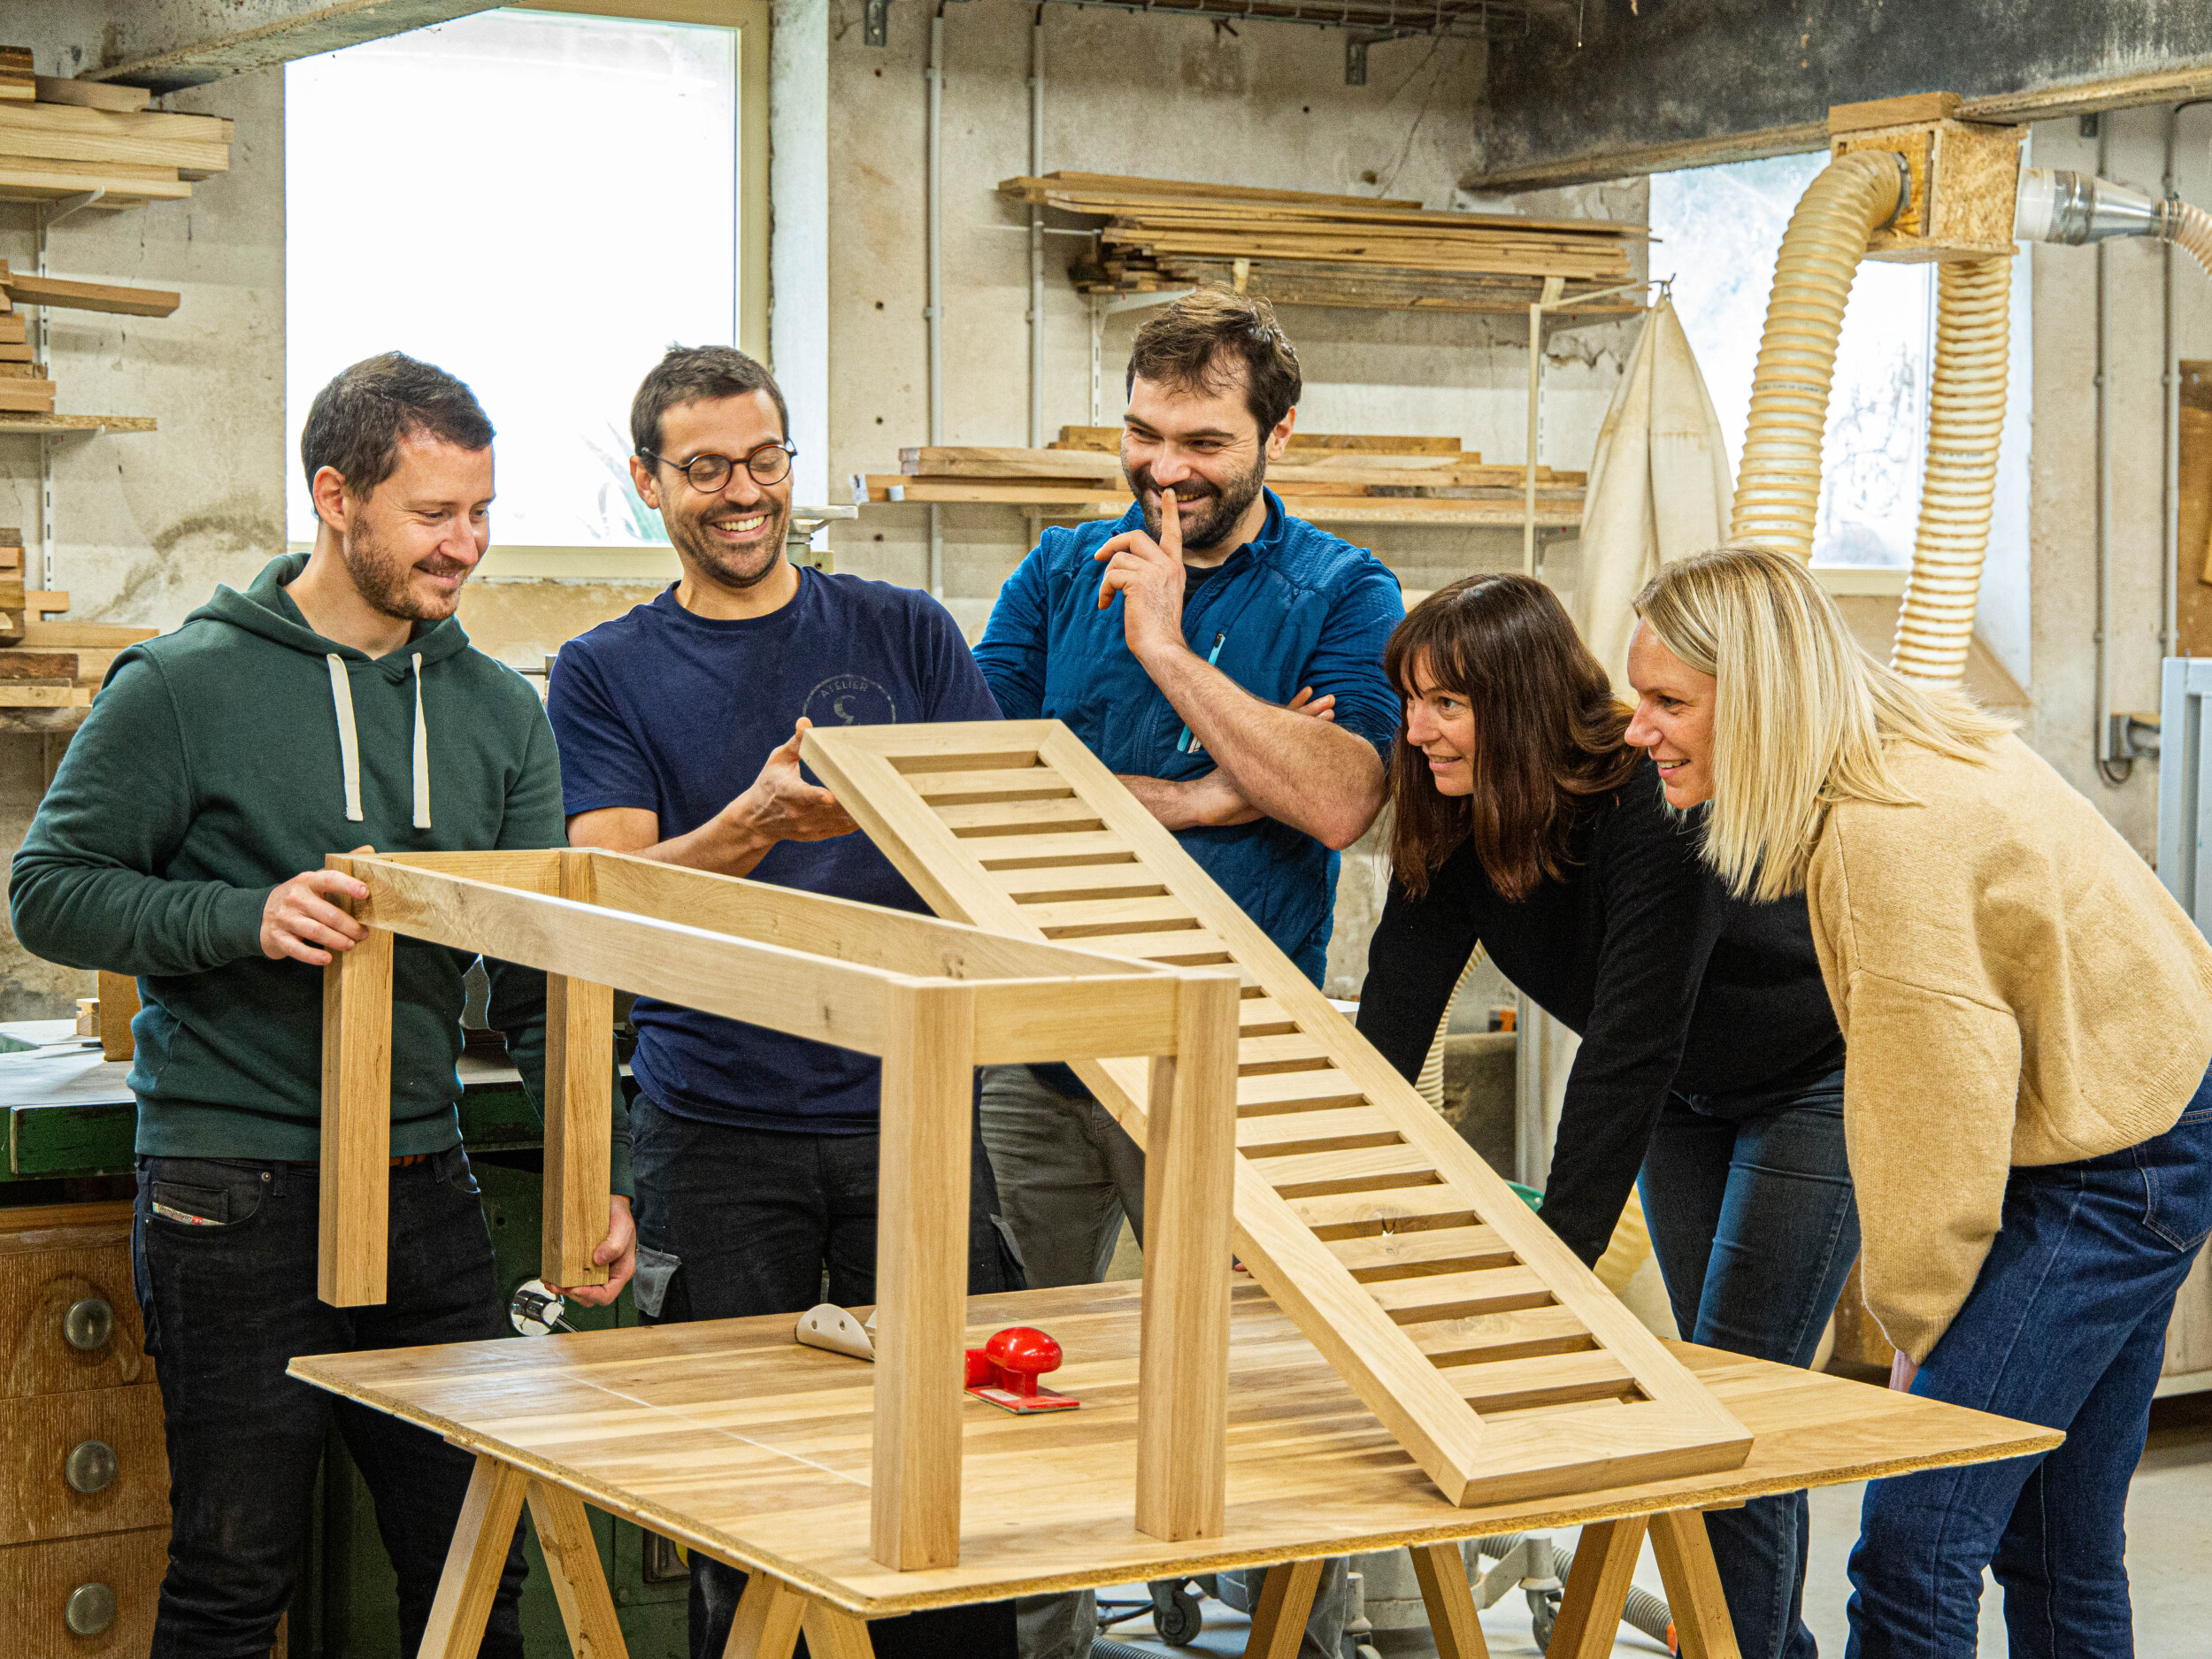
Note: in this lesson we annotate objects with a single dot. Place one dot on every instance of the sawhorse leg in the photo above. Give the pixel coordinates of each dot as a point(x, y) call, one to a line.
point(1597, 1589)
point(1686, 1568)
point(1441, 1572)
point(771, 1616)
point(1278, 1618)
point(579, 1583)
point(470, 1584)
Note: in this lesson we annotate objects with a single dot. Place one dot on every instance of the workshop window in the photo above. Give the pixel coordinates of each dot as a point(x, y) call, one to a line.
point(540, 202)
point(1720, 228)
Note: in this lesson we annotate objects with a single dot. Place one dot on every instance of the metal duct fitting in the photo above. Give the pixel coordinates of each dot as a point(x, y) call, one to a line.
point(2073, 208)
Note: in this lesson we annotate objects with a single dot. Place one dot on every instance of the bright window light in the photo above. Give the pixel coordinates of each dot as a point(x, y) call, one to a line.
point(1720, 229)
point(537, 202)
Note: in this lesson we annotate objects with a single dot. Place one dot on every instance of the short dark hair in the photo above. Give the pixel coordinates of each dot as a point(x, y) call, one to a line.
point(1195, 345)
point(358, 421)
point(685, 374)
point(1548, 733)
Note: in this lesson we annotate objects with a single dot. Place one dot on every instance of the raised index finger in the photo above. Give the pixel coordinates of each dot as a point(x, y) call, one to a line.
point(1171, 527)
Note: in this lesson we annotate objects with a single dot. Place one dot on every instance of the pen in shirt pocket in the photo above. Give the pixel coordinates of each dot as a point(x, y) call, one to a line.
point(1183, 744)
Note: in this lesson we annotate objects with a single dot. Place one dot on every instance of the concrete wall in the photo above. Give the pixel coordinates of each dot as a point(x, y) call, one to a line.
point(1162, 97)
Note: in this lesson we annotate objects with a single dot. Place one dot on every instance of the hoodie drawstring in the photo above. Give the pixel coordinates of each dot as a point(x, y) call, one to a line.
point(422, 754)
point(350, 742)
point(349, 739)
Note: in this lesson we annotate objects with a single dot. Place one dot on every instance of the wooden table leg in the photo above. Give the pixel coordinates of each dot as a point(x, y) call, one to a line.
point(1190, 1142)
point(1441, 1572)
point(579, 1110)
point(767, 1623)
point(1686, 1568)
point(833, 1633)
point(1597, 1589)
point(481, 1539)
point(1279, 1620)
point(579, 1582)
point(357, 1128)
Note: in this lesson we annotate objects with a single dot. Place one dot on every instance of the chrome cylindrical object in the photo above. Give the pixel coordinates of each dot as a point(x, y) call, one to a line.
point(90, 1610)
point(2054, 205)
point(88, 1323)
point(90, 1467)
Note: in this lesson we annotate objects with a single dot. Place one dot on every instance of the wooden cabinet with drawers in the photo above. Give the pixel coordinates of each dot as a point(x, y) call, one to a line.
point(84, 1481)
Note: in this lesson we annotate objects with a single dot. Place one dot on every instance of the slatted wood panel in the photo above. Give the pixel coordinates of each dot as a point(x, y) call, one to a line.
point(1487, 1349)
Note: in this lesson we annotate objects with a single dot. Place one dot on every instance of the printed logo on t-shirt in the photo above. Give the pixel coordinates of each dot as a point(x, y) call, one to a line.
point(850, 700)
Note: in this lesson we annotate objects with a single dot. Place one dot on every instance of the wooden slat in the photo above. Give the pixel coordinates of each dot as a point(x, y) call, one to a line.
point(1045, 852)
point(1366, 1215)
point(1061, 883)
point(1000, 783)
point(1263, 1017)
point(1373, 1169)
point(1281, 1134)
point(1516, 1334)
point(1432, 1297)
point(1184, 946)
point(1291, 1051)
point(1509, 1385)
point(1433, 1250)
point(1020, 818)
point(1296, 1091)
point(1081, 917)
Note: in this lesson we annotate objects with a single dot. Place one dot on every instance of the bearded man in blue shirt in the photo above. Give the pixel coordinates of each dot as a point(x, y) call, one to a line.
point(1225, 660)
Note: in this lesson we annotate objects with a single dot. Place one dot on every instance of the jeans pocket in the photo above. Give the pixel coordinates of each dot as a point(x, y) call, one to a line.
point(200, 1197)
point(648, 1286)
point(2176, 1170)
point(453, 1169)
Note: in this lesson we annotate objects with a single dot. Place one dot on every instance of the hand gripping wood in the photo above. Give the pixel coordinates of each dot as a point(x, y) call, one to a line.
point(1493, 1354)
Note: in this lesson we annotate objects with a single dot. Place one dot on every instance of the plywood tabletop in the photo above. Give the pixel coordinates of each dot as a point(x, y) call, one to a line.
point(730, 1438)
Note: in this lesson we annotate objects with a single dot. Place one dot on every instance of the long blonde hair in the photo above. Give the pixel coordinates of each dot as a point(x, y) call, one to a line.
point(1802, 717)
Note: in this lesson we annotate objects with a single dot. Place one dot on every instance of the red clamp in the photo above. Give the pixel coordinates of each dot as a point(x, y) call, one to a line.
point(1004, 1371)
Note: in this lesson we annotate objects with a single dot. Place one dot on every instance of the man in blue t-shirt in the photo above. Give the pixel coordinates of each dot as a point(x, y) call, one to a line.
point(1190, 645)
point(678, 724)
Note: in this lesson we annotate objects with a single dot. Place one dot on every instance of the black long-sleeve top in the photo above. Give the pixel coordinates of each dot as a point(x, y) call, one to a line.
point(1672, 986)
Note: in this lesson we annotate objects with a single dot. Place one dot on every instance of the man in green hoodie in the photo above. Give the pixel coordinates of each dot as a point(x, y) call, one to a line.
point(334, 704)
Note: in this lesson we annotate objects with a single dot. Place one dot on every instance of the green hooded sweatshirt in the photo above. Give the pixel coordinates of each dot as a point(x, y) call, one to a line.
point(222, 760)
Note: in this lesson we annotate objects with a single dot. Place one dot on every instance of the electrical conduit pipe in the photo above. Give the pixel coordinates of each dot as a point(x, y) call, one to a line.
point(1778, 490)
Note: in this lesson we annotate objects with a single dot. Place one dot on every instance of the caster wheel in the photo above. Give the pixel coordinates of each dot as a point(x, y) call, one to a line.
point(1178, 1621)
point(1543, 1608)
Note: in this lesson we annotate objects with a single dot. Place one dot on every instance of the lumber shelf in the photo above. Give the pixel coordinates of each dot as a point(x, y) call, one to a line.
point(70, 423)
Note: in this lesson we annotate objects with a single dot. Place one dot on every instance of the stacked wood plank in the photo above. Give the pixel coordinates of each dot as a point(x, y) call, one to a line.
point(48, 669)
point(70, 137)
point(1298, 248)
point(1325, 477)
point(25, 393)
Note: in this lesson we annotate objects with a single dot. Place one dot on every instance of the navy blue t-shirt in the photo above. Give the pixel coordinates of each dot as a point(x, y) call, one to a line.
point(675, 714)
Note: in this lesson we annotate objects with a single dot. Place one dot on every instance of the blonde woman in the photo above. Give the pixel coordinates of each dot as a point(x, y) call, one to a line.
point(2029, 1017)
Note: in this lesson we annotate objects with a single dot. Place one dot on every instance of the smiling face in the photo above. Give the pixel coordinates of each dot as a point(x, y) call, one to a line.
point(1204, 444)
point(1674, 717)
point(411, 544)
point(732, 537)
point(1440, 723)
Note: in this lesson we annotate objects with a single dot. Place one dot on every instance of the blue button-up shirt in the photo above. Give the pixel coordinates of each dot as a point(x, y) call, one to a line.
point(1295, 607)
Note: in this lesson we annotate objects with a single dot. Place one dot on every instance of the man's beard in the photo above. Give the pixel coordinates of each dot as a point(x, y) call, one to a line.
point(381, 579)
point(1212, 528)
point(732, 567)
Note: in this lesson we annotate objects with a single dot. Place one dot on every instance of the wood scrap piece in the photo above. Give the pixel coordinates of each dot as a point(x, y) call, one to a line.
point(27, 289)
point(119, 1006)
point(18, 84)
point(92, 95)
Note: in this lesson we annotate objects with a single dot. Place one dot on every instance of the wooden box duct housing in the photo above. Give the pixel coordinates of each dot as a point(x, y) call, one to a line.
point(1964, 175)
point(1482, 1344)
point(934, 1000)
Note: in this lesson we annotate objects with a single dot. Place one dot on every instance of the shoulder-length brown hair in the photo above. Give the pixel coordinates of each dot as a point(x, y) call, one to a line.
point(1547, 732)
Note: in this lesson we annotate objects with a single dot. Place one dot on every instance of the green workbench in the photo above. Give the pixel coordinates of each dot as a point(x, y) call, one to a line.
point(70, 1125)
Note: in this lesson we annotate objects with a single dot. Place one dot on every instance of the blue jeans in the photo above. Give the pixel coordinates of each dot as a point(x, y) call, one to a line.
point(229, 1300)
point(1753, 1221)
point(2065, 1327)
point(736, 1222)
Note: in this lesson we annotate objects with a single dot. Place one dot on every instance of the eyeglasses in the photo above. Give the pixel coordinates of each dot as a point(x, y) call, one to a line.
point(770, 464)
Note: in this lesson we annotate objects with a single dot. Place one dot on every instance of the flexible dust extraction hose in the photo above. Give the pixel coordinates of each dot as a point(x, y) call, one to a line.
point(1777, 488)
point(1966, 416)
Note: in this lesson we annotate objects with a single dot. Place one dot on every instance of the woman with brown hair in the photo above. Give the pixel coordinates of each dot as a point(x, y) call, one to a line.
point(1527, 824)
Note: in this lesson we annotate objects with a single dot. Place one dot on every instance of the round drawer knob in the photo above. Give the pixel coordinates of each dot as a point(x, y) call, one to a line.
point(90, 1610)
point(87, 1324)
point(90, 1466)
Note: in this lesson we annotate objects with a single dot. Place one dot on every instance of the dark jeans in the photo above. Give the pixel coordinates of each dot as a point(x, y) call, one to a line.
point(1753, 1221)
point(2065, 1327)
point(228, 1302)
point(736, 1222)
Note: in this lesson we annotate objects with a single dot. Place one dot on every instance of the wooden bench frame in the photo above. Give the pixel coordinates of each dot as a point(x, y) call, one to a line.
point(933, 1000)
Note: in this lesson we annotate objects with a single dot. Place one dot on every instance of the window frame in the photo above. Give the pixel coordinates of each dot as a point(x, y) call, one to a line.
point(749, 21)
